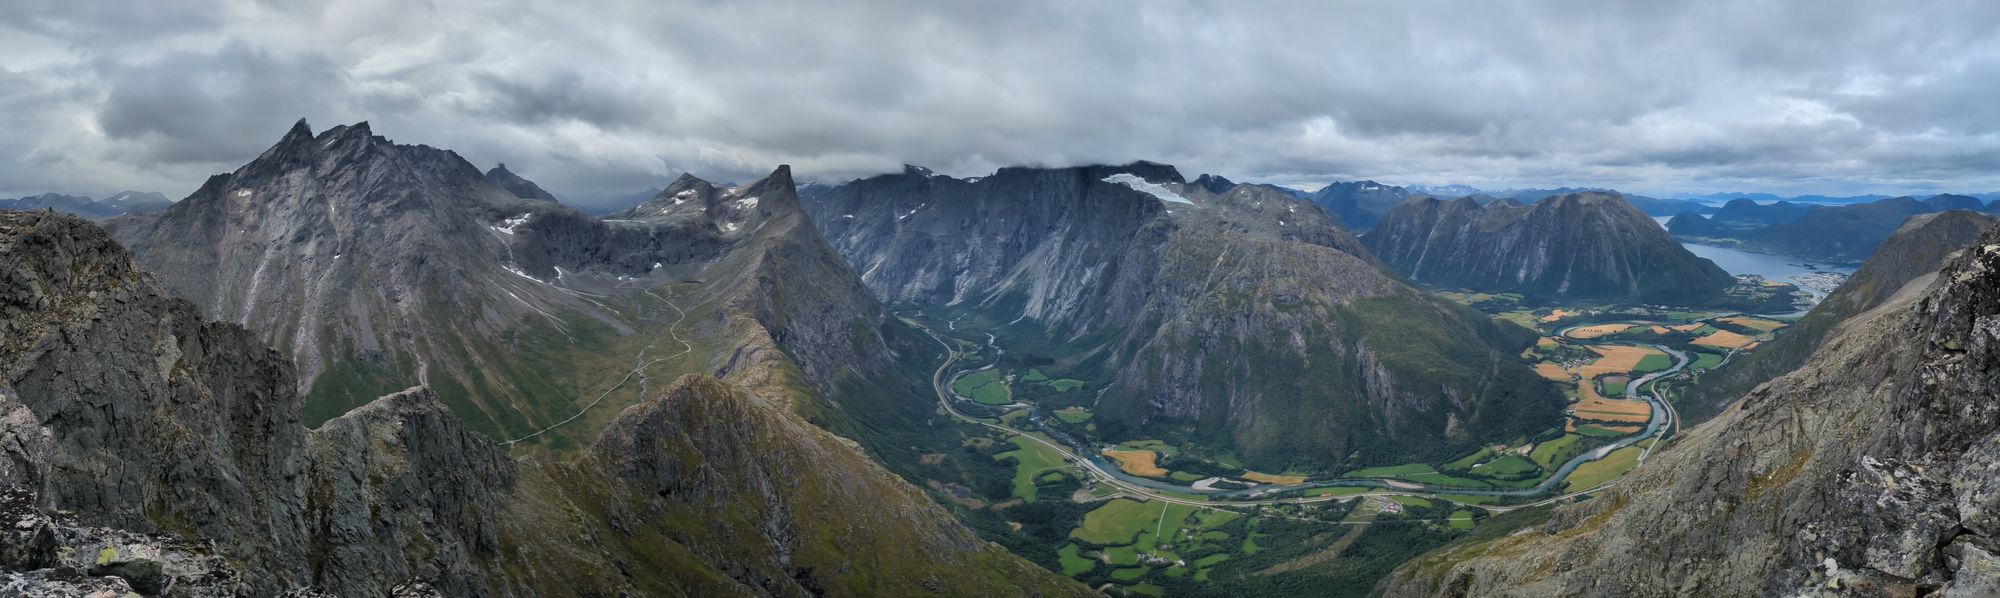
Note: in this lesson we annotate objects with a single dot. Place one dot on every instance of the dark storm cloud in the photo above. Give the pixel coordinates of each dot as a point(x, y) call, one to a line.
point(613, 97)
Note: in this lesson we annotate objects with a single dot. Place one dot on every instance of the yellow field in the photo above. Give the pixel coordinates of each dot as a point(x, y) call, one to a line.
point(1689, 327)
point(1273, 479)
point(1139, 463)
point(1597, 331)
point(1724, 339)
point(1617, 359)
point(1546, 343)
point(1557, 315)
point(1757, 323)
point(1552, 371)
point(1597, 408)
point(1661, 330)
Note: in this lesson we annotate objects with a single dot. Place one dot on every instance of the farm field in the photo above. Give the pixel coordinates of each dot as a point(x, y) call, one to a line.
point(1724, 339)
point(1616, 359)
point(1598, 408)
point(1597, 472)
point(1139, 463)
point(1273, 479)
point(1755, 323)
point(1031, 460)
point(984, 387)
point(1073, 415)
point(1590, 332)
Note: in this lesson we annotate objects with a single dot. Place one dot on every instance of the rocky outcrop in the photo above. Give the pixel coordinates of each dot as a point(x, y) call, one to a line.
point(143, 448)
point(1867, 471)
point(1589, 246)
point(1920, 247)
point(158, 421)
point(1195, 301)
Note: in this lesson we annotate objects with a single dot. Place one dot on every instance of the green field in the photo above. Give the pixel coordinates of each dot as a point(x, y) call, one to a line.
point(1459, 519)
point(1597, 472)
point(1074, 564)
point(1122, 555)
point(1073, 415)
point(1034, 376)
point(1065, 384)
point(1611, 389)
point(1128, 574)
point(1553, 452)
point(1704, 360)
point(1467, 461)
point(1653, 363)
point(1117, 522)
point(1031, 459)
point(1182, 476)
point(970, 382)
point(1164, 449)
point(1509, 465)
point(984, 387)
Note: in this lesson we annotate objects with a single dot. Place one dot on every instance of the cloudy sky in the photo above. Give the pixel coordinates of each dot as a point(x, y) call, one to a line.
point(1668, 98)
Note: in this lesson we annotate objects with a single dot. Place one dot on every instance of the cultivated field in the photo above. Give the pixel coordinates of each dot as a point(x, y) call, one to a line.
point(1587, 332)
point(1756, 323)
point(1616, 359)
point(1552, 371)
point(1139, 463)
point(1273, 479)
point(1597, 408)
point(1724, 339)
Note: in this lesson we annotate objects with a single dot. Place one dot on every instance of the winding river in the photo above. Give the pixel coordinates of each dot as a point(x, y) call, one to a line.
point(1661, 418)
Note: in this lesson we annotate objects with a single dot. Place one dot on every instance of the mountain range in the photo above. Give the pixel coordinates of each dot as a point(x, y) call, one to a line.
point(1578, 246)
point(1242, 320)
point(374, 265)
point(1843, 233)
point(124, 202)
point(700, 488)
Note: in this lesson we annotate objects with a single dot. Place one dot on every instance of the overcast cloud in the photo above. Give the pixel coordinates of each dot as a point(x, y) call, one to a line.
point(1659, 98)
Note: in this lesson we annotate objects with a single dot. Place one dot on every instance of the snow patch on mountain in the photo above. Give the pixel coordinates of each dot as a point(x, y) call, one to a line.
point(1147, 187)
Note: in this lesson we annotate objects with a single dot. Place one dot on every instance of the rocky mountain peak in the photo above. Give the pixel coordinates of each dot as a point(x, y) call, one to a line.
point(513, 183)
point(1214, 183)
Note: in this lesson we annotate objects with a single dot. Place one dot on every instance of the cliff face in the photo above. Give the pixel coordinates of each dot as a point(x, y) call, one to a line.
point(1870, 470)
point(1590, 246)
point(1920, 247)
point(1196, 300)
point(134, 434)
